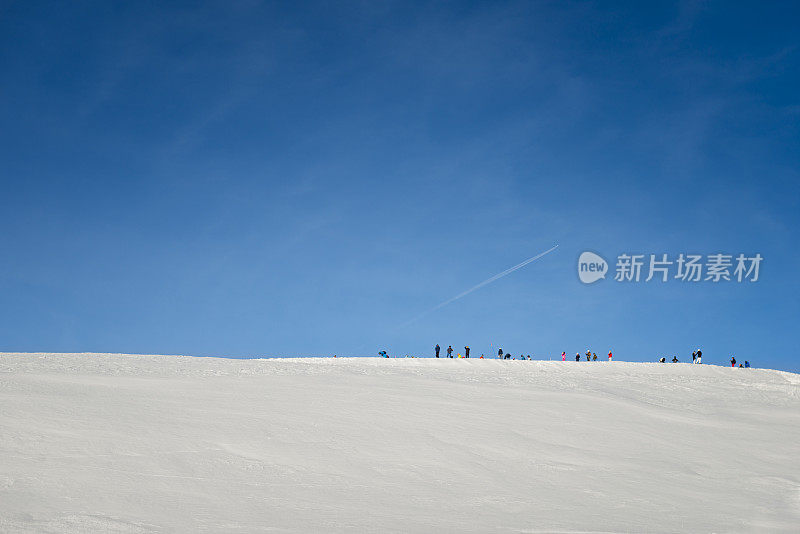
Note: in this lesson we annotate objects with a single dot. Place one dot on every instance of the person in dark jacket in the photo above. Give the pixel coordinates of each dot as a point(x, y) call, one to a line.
point(449, 351)
point(577, 357)
point(499, 354)
point(466, 352)
point(674, 359)
point(733, 361)
point(437, 350)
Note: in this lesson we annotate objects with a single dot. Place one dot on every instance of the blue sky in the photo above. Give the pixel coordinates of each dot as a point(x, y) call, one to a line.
point(247, 179)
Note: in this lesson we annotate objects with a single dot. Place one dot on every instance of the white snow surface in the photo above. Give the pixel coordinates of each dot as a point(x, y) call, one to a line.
point(124, 443)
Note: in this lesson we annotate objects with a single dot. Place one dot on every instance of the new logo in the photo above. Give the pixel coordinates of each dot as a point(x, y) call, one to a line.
point(591, 267)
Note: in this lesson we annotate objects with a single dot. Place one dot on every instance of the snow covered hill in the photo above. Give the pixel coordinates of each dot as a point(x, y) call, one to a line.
point(118, 443)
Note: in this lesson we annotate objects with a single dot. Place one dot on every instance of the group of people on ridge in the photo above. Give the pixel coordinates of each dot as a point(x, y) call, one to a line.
point(450, 351)
point(590, 356)
point(733, 363)
point(508, 356)
point(697, 356)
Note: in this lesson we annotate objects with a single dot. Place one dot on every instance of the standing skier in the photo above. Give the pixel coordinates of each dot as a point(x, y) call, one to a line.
point(747, 364)
point(577, 356)
point(466, 352)
point(564, 356)
point(694, 356)
point(733, 361)
point(609, 355)
point(499, 354)
point(699, 356)
point(437, 350)
point(449, 351)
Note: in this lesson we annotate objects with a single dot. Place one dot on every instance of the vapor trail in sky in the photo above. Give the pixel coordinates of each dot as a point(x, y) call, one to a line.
point(478, 286)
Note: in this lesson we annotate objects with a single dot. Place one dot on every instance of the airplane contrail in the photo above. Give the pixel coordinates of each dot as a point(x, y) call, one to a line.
point(476, 287)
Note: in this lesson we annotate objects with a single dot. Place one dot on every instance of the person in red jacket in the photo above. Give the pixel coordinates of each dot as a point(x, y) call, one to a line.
point(609, 355)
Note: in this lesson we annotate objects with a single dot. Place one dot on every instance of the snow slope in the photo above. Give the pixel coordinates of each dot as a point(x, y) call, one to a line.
point(119, 443)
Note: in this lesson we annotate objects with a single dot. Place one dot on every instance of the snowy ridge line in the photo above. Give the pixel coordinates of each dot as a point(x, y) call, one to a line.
point(791, 375)
point(102, 442)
